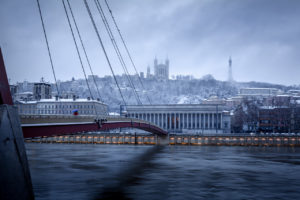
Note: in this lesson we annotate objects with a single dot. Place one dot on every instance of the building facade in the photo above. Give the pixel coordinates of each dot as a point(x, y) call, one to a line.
point(62, 107)
point(42, 91)
point(279, 119)
point(259, 91)
point(183, 118)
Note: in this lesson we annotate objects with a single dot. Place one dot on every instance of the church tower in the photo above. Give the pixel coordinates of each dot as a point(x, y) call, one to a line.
point(161, 70)
point(167, 68)
point(230, 77)
point(155, 66)
point(148, 72)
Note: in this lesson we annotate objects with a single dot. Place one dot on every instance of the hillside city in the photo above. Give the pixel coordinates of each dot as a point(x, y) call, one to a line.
point(252, 106)
point(108, 99)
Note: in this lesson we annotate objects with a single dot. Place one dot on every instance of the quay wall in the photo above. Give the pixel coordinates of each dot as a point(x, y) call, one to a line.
point(172, 140)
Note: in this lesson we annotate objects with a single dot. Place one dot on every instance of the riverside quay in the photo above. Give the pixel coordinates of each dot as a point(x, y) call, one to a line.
point(217, 140)
point(183, 118)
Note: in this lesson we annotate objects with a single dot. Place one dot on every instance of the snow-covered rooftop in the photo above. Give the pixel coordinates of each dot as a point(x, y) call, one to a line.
point(53, 100)
point(114, 114)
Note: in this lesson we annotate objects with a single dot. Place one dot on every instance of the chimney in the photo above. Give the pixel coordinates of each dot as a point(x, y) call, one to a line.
point(89, 98)
point(56, 97)
point(74, 97)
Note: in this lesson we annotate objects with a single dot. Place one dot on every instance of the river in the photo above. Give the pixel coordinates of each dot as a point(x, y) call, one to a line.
point(91, 171)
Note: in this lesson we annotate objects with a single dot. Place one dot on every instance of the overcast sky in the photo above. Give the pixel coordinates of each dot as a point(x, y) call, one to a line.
point(198, 36)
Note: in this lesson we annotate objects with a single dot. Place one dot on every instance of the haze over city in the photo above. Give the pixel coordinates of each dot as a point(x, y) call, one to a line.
point(198, 37)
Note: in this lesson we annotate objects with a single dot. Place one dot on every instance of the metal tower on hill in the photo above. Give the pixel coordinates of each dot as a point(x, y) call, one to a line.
point(230, 77)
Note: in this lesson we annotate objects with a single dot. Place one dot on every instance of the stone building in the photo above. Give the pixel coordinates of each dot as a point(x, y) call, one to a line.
point(62, 107)
point(183, 118)
point(41, 91)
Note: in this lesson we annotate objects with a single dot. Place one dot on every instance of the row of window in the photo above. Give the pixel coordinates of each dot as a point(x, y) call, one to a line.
point(29, 111)
point(48, 107)
point(57, 106)
point(67, 106)
point(273, 122)
point(64, 112)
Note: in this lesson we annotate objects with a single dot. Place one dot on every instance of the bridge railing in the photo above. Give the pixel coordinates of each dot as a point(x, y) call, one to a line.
point(37, 119)
point(44, 118)
point(127, 119)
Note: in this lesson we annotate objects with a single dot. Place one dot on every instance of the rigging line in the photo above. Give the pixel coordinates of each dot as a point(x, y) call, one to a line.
point(108, 29)
point(83, 47)
point(103, 48)
point(128, 53)
point(83, 70)
point(117, 50)
point(48, 48)
point(118, 54)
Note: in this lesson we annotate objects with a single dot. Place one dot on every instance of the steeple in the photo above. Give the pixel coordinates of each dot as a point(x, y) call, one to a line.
point(155, 61)
point(148, 72)
point(167, 61)
point(230, 77)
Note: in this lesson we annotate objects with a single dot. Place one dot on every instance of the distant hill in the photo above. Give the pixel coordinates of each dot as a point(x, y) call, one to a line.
point(164, 92)
point(161, 92)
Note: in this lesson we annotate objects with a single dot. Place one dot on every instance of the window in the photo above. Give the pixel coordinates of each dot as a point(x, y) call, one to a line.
point(226, 125)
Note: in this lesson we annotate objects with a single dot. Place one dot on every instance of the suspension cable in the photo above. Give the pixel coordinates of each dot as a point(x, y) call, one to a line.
point(103, 48)
point(81, 63)
point(128, 53)
point(48, 48)
point(117, 50)
point(84, 50)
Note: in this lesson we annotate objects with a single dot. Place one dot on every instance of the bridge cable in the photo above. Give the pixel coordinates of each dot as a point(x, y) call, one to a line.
point(81, 63)
point(117, 50)
point(84, 50)
point(103, 48)
point(128, 53)
point(48, 48)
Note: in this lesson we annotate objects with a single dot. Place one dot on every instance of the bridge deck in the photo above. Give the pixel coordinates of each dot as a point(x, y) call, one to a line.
point(47, 125)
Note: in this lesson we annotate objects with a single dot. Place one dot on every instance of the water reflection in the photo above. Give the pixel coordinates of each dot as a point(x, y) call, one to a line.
point(86, 171)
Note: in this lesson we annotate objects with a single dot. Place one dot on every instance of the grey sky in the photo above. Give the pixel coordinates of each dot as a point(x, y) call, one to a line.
point(198, 36)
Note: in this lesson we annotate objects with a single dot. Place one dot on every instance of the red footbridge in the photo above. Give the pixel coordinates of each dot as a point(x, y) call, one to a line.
point(47, 125)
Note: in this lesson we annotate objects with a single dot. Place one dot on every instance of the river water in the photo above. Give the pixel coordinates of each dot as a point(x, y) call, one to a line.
point(90, 171)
